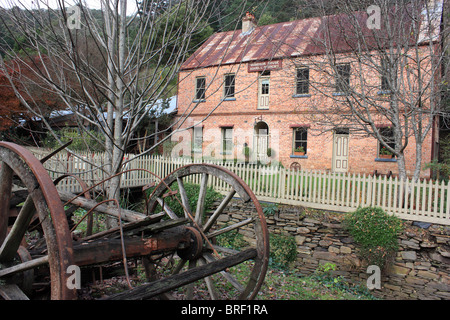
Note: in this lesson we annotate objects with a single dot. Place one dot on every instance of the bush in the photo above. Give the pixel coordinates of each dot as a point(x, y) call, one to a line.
point(269, 209)
point(92, 141)
point(283, 250)
point(233, 240)
point(376, 233)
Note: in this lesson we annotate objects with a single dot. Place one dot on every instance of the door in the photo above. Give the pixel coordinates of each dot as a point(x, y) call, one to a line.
point(263, 93)
point(340, 153)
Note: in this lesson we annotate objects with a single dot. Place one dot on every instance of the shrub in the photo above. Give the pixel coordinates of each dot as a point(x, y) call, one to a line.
point(376, 233)
point(232, 239)
point(246, 151)
point(270, 209)
point(283, 250)
point(91, 141)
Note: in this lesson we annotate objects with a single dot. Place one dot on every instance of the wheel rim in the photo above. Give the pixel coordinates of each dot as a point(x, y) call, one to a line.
point(210, 231)
point(18, 161)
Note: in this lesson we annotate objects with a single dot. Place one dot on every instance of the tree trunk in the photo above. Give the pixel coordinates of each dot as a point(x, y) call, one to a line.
point(116, 148)
point(418, 165)
point(401, 166)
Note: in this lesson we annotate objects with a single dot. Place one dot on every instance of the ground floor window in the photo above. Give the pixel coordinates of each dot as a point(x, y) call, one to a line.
point(227, 140)
point(388, 136)
point(197, 140)
point(300, 140)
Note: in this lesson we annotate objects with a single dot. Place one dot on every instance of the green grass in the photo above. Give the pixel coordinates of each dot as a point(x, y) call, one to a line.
point(284, 285)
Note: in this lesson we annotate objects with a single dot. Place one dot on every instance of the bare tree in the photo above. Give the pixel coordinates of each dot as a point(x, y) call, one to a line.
point(381, 72)
point(110, 67)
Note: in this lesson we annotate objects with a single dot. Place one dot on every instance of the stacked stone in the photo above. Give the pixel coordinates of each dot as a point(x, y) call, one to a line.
point(420, 269)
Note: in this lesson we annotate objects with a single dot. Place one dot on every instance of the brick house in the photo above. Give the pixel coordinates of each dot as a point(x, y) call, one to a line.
point(256, 88)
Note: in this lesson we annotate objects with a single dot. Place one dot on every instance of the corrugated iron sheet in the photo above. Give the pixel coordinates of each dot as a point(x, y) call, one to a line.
point(296, 38)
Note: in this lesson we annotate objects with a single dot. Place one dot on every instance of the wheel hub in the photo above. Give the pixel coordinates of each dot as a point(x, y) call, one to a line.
point(194, 250)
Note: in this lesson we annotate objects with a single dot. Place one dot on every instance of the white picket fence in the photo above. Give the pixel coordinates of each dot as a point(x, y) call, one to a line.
point(427, 201)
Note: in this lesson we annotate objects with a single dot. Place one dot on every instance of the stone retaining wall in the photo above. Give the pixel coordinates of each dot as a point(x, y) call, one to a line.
point(420, 270)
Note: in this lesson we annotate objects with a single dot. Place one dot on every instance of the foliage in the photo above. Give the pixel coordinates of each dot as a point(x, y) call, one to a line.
point(192, 191)
point(324, 276)
point(385, 151)
point(269, 209)
point(444, 143)
point(232, 239)
point(177, 25)
point(91, 141)
point(299, 149)
point(286, 285)
point(229, 12)
point(283, 250)
point(168, 146)
point(325, 270)
point(246, 151)
point(441, 169)
point(99, 224)
point(11, 109)
point(376, 233)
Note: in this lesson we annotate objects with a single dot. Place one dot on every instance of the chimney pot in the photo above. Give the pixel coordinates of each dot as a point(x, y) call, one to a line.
point(248, 22)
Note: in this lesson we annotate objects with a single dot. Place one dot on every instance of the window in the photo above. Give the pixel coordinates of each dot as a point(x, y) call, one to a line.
point(229, 85)
point(200, 88)
point(388, 136)
point(197, 140)
point(302, 81)
point(263, 90)
point(300, 139)
point(342, 77)
point(227, 140)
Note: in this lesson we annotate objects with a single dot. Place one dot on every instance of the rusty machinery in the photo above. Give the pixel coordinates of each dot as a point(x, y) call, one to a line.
point(180, 254)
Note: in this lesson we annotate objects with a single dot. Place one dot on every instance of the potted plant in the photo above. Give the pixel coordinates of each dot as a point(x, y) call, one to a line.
point(385, 153)
point(299, 151)
point(246, 151)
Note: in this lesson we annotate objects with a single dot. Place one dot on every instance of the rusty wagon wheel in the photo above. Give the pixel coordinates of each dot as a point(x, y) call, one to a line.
point(211, 233)
point(21, 251)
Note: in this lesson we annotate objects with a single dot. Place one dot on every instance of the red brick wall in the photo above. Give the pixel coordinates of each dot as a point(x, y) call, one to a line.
point(284, 111)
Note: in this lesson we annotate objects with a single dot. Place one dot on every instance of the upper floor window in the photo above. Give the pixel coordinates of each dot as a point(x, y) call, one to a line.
point(200, 88)
point(302, 81)
point(342, 81)
point(264, 90)
point(229, 85)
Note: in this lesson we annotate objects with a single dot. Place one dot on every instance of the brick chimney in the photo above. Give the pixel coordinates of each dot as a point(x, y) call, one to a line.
point(248, 23)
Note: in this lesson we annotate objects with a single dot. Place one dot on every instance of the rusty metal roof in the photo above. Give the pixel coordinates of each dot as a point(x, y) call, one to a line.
point(294, 38)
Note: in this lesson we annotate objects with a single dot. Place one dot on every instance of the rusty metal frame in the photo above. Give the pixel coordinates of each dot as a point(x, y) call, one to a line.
point(61, 258)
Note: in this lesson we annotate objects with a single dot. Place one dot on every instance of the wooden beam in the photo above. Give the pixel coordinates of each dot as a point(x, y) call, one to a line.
point(104, 250)
point(152, 289)
point(87, 204)
point(12, 292)
point(153, 219)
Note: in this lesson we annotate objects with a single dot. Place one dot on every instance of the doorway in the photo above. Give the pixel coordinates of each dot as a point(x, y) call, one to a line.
point(340, 150)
